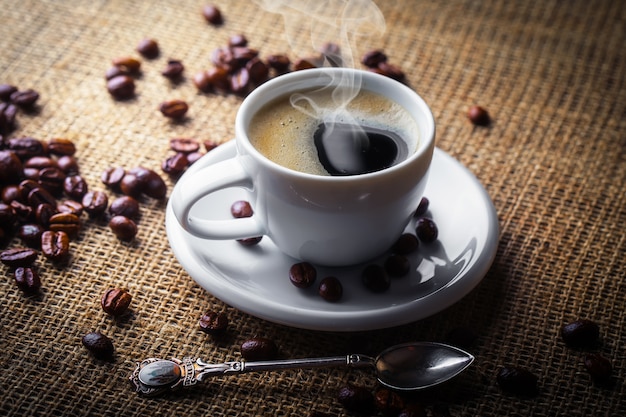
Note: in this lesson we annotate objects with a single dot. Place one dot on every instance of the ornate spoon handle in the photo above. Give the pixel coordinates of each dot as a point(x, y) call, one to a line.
point(154, 376)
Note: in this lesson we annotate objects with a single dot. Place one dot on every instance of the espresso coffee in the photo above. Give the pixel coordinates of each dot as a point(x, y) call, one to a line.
point(307, 132)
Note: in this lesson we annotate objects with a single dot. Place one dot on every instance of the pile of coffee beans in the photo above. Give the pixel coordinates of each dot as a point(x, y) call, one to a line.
point(585, 334)
point(12, 98)
point(186, 151)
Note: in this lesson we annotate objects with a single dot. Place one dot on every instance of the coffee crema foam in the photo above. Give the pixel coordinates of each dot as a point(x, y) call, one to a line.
point(284, 134)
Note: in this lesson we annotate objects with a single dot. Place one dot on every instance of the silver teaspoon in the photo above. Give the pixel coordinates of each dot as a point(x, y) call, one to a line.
point(406, 367)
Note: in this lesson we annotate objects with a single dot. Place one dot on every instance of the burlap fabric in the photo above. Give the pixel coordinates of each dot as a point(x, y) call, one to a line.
point(551, 74)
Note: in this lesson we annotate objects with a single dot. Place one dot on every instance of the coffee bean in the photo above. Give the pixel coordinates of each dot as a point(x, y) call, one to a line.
point(75, 187)
point(30, 234)
point(132, 186)
point(55, 245)
point(426, 230)
point(100, 346)
point(151, 183)
point(174, 109)
point(303, 64)
point(212, 14)
point(6, 90)
point(209, 145)
point(391, 71)
point(175, 165)
point(128, 63)
point(10, 193)
point(25, 98)
point(61, 147)
point(193, 157)
point(16, 257)
point(258, 71)
point(218, 79)
point(373, 58)
point(43, 213)
point(124, 228)
point(279, 62)
point(52, 179)
point(115, 301)
point(422, 207)
point(148, 48)
point(243, 54)
point(580, 333)
point(397, 265)
point(65, 222)
point(121, 87)
point(240, 82)
point(202, 82)
point(68, 164)
point(237, 40)
point(213, 323)
point(38, 196)
point(125, 206)
point(259, 349)
point(184, 145)
point(173, 70)
point(356, 399)
point(241, 209)
point(27, 279)
point(389, 403)
point(478, 116)
point(375, 278)
point(95, 203)
point(223, 58)
point(8, 219)
point(330, 289)
point(10, 167)
point(112, 177)
point(406, 244)
point(26, 147)
point(302, 274)
point(40, 162)
point(23, 213)
point(517, 381)
point(598, 367)
point(8, 113)
point(71, 206)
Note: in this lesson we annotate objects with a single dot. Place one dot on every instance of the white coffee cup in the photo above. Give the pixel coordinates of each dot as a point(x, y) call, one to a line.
point(326, 220)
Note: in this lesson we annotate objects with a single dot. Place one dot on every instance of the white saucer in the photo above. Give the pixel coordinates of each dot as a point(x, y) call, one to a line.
point(255, 279)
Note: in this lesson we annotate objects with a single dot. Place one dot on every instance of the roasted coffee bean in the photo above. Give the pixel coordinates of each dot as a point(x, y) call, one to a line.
point(373, 58)
point(26, 187)
point(391, 71)
point(259, 349)
point(478, 116)
point(330, 289)
point(10, 167)
point(375, 278)
point(75, 187)
point(125, 206)
point(16, 257)
point(175, 165)
point(27, 279)
point(6, 90)
point(388, 402)
point(43, 213)
point(303, 64)
point(193, 157)
point(279, 62)
point(218, 79)
point(213, 323)
point(38, 196)
point(173, 70)
point(240, 209)
point(128, 63)
point(406, 244)
point(237, 40)
point(95, 203)
point(240, 82)
point(174, 109)
point(243, 54)
point(112, 177)
point(55, 245)
point(26, 147)
point(124, 228)
point(23, 212)
point(31, 174)
point(598, 367)
point(148, 48)
point(356, 399)
point(10, 193)
point(426, 230)
point(121, 87)
point(132, 186)
point(516, 380)
point(8, 113)
point(52, 179)
point(422, 207)
point(212, 14)
point(223, 58)
point(397, 265)
point(68, 164)
point(61, 146)
point(114, 72)
point(40, 162)
point(302, 274)
point(30, 234)
point(25, 98)
point(258, 71)
point(151, 183)
point(8, 219)
point(65, 222)
point(580, 333)
point(202, 81)
point(71, 206)
point(209, 145)
point(99, 345)
point(115, 301)
point(184, 145)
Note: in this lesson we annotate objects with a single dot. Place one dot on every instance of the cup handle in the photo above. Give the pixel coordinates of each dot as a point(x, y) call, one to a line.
point(209, 179)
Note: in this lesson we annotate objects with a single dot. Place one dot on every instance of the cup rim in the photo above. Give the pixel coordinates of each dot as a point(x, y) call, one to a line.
point(267, 92)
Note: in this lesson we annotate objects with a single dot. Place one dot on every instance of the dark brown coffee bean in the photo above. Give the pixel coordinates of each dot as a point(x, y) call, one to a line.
point(356, 399)
point(30, 234)
point(303, 64)
point(184, 145)
point(71, 206)
point(330, 289)
point(175, 165)
point(132, 186)
point(55, 245)
point(213, 323)
point(75, 187)
point(26, 147)
point(125, 206)
point(43, 213)
point(388, 402)
point(259, 349)
point(26, 187)
point(212, 14)
point(151, 183)
point(52, 179)
point(237, 40)
point(121, 87)
point(25, 98)
point(27, 279)
point(302, 274)
point(114, 72)
point(373, 58)
point(112, 177)
point(68, 164)
point(95, 203)
point(397, 265)
point(240, 82)
point(10, 167)
point(209, 145)
point(279, 62)
point(8, 113)
point(10, 193)
point(516, 380)
point(193, 157)
point(8, 219)
point(223, 58)
point(173, 70)
point(258, 71)
point(174, 109)
point(478, 116)
point(218, 79)
point(40, 162)
point(115, 301)
point(65, 222)
point(61, 146)
point(426, 230)
point(406, 244)
point(38, 196)
point(375, 278)
point(580, 333)
point(243, 54)
point(391, 71)
point(422, 207)
point(202, 82)
point(23, 212)
point(128, 63)
point(6, 90)
point(16, 257)
point(31, 174)
point(598, 367)
point(99, 345)
point(240, 209)
point(124, 228)
point(148, 48)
